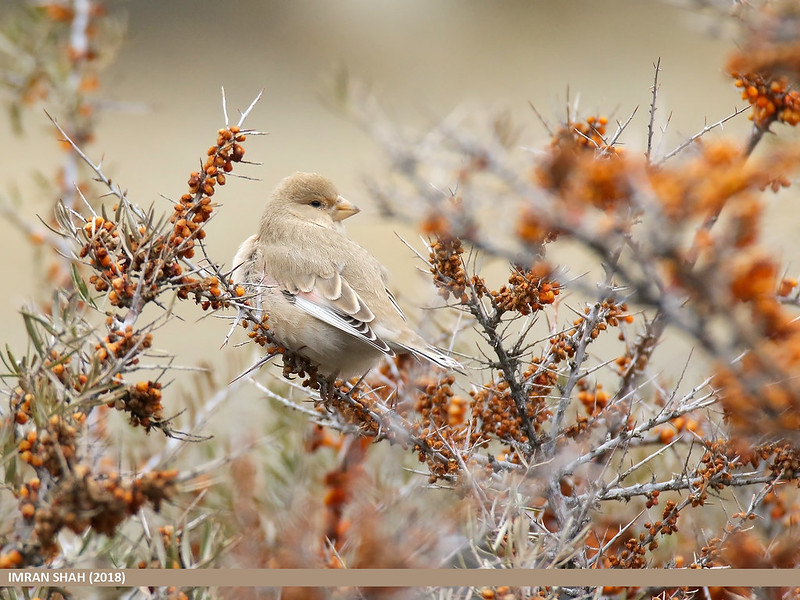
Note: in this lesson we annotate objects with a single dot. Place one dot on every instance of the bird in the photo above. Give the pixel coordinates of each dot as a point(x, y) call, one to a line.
point(326, 297)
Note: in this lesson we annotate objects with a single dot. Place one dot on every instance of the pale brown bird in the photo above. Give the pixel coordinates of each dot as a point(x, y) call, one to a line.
point(326, 296)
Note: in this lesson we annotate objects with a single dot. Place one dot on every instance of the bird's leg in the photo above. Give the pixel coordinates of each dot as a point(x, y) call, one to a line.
point(326, 387)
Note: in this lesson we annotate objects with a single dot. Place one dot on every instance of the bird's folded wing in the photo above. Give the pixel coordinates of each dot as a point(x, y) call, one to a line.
point(319, 289)
point(396, 306)
point(345, 323)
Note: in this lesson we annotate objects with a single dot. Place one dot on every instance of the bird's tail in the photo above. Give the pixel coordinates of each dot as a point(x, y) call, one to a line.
point(437, 357)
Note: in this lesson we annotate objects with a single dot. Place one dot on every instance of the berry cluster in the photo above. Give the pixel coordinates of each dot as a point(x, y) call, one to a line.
point(771, 99)
point(589, 133)
point(497, 414)
point(122, 344)
point(102, 248)
point(448, 269)
point(535, 229)
point(83, 500)
point(259, 334)
point(527, 291)
point(195, 208)
point(440, 410)
point(594, 399)
point(584, 171)
point(143, 401)
point(54, 447)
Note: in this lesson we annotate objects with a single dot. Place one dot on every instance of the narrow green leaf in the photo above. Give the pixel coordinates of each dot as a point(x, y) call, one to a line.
point(11, 364)
point(80, 286)
point(33, 333)
point(186, 550)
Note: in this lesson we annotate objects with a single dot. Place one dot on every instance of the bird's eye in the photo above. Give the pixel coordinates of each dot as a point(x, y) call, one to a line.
point(316, 203)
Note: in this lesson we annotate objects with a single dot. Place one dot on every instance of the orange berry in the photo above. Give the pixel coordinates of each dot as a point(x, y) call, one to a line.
point(666, 435)
point(693, 426)
point(27, 510)
point(14, 557)
point(786, 286)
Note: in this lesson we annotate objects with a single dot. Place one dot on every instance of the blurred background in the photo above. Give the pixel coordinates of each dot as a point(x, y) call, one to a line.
point(421, 59)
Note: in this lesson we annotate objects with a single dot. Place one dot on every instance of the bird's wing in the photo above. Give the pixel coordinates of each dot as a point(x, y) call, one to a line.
point(396, 306)
point(344, 323)
point(245, 260)
point(315, 284)
point(389, 294)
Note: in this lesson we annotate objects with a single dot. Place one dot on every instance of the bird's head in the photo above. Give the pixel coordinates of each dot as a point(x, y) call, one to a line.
point(312, 198)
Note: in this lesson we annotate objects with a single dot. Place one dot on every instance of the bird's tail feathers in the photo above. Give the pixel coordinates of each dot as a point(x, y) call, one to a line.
point(437, 357)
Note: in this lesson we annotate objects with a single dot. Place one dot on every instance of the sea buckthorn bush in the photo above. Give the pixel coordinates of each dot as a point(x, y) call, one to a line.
point(563, 444)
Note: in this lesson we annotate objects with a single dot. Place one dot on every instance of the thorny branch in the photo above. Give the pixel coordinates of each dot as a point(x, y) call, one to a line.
point(623, 211)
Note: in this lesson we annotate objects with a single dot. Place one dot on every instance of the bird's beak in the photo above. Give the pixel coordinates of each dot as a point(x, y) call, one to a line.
point(343, 209)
